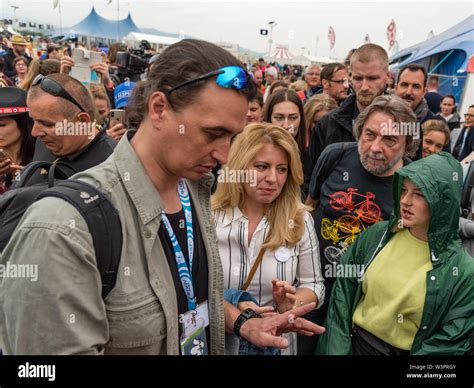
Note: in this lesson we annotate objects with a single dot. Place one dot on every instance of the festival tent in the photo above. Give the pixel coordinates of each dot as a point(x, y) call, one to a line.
point(445, 55)
point(96, 26)
point(467, 98)
point(159, 42)
point(305, 60)
point(281, 55)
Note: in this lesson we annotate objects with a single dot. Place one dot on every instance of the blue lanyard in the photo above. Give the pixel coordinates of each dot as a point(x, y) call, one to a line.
point(185, 273)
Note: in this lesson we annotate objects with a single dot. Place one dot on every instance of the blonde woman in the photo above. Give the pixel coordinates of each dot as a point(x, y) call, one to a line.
point(315, 108)
point(266, 236)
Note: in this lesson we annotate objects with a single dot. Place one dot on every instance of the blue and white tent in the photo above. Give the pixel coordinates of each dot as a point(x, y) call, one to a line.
point(100, 27)
point(446, 55)
point(94, 25)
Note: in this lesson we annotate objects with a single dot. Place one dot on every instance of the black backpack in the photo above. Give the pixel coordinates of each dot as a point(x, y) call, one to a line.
point(100, 215)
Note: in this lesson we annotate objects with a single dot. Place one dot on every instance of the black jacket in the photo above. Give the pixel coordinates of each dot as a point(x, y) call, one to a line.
point(93, 154)
point(335, 127)
point(460, 152)
point(9, 57)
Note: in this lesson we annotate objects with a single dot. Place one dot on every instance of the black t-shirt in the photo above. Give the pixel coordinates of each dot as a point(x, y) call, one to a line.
point(350, 200)
point(200, 268)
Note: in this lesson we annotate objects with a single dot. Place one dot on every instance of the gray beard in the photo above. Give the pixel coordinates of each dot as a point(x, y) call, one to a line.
point(386, 166)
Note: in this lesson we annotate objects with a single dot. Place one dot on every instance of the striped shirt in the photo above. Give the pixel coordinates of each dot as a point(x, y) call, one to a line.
point(302, 269)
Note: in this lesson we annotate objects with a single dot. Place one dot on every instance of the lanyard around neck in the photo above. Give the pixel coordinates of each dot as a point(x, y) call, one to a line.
point(184, 272)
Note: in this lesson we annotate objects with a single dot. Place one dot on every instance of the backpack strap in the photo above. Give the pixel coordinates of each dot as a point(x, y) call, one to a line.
point(102, 220)
point(59, 170)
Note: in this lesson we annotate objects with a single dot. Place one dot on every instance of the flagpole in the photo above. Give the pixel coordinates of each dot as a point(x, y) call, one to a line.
point(118, 20)
point(60, 18)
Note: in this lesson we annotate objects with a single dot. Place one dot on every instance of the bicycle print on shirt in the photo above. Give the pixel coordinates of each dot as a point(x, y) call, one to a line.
point(362, 212)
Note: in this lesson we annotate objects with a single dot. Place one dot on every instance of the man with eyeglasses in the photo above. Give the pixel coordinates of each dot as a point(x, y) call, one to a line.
point(63, 112)
point(465, 141)
point(368, 77)
point(168, 298)
point(335, 82)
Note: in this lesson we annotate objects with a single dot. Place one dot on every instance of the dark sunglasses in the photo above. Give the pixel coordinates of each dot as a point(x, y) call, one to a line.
point(54, 88)
point(233, 77)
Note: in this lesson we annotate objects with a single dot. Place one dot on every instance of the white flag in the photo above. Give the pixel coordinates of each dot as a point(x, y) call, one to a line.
point(55, 3)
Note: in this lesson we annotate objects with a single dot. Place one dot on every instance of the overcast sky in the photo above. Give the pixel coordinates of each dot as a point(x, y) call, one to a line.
point(300, 24)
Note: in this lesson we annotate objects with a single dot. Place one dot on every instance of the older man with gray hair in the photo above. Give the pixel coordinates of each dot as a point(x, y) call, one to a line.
point(271, 75)
point(312, 76)
point(351, 185)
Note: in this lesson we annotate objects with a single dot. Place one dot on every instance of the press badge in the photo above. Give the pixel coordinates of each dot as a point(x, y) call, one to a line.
point(194, 323)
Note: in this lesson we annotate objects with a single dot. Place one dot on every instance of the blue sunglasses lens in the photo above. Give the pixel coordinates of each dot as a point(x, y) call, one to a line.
point(232, 77)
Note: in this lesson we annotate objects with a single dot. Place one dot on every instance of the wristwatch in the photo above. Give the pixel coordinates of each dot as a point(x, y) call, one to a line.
point(243, 317)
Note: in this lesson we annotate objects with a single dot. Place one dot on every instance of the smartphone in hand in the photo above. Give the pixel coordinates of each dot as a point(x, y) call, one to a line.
point(116, 116)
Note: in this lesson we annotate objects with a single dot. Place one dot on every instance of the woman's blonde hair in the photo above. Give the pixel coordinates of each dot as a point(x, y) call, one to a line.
point(317, 103)
point(299, 85)
point(436, 125)
point(286, 213)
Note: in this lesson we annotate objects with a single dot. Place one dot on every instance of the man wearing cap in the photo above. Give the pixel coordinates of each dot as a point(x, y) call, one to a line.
point(168, 298)
point(64, 127)
point(18, 50)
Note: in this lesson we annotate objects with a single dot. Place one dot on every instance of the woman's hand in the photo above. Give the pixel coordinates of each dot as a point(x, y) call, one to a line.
point(116, 132)
point(7, 167)
point(265, 311)
point(283, 295)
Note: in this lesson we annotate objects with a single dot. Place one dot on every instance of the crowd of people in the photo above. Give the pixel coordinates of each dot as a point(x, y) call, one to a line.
point(263, 209)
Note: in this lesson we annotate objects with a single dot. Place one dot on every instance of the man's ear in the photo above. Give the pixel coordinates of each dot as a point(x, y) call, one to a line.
point(84, 117)
point(325, 84)
point(158, 105)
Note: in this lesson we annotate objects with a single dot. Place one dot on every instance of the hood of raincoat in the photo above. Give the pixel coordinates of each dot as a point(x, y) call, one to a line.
point(440, 178)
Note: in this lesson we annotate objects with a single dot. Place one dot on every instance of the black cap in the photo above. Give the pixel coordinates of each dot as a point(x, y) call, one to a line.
point(12, 101)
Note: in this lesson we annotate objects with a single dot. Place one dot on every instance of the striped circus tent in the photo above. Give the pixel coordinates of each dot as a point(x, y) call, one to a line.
point(281, 55)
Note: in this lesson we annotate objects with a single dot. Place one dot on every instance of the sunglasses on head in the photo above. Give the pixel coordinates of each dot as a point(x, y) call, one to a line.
point(233, 77)
point(54, 88)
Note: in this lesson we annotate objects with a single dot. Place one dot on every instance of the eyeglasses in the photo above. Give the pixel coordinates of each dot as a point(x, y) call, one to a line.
point(468, 115)
point(341, 81)
point(233, 77)
point(54, 88)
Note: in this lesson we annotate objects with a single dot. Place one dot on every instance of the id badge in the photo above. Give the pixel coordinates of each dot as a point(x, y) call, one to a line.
point(194, 322)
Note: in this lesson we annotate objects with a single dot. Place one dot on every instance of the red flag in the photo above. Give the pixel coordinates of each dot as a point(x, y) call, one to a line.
point(391, 34)
point(331, 37)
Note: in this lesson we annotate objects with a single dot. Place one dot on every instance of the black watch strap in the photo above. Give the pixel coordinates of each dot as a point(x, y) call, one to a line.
point(244, 316)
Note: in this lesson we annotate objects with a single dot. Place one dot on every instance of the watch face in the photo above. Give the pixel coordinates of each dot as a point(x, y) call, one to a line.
point(249, 313)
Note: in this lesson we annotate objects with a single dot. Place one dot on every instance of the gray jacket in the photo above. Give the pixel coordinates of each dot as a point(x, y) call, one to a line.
point(63, 312)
